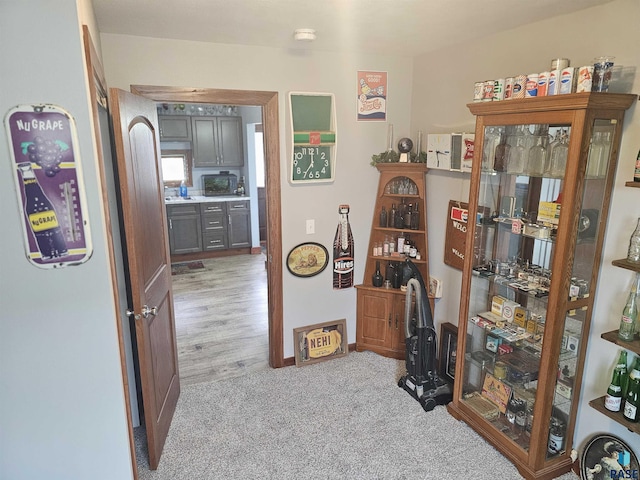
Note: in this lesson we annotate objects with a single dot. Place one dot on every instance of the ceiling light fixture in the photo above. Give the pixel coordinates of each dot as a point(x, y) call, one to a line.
point(304, 34)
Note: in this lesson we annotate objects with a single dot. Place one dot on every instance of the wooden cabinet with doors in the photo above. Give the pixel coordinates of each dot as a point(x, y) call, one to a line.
point(542, 176)
point(175, 128)
point(185, 231)
point(217, 141)
point(380, 310)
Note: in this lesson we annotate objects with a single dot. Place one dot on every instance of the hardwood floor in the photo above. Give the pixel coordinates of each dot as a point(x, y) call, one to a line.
point(222, 319)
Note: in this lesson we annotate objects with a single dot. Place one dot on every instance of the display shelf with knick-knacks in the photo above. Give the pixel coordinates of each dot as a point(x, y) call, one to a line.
point(398, 233)
point(542, 177)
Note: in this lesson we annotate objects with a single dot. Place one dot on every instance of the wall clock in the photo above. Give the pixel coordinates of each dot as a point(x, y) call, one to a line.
point(313, 137)
point(439, 151)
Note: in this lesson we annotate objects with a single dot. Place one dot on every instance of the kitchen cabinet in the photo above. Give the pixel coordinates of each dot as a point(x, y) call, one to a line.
point(239, 218)
point(633, 346)
point(217, 141)
point(214, 226)
point(531, 265)
point(174, 128)
point(185, 230)
point(380, 311)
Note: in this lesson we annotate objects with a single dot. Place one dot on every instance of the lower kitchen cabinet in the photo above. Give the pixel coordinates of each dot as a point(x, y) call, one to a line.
point(214, 226)
point(239, 217)
point(380, 321)
point(185, 230)
point(209, 226)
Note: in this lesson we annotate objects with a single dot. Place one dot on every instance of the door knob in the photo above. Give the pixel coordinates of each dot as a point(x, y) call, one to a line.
point(146, 311)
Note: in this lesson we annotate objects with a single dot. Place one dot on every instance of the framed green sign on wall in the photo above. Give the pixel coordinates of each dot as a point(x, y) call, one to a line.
point(313, 137)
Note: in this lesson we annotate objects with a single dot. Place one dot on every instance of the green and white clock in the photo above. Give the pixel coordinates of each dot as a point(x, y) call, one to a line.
point(313, 149)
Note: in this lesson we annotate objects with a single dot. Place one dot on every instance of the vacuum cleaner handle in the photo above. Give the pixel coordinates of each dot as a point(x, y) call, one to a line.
point(412, 284)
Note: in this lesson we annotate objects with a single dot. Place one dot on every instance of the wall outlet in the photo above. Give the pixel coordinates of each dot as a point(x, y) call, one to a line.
point(311, 227)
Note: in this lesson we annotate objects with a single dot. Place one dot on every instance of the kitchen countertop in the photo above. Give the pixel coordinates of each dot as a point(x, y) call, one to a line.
point(203, 199)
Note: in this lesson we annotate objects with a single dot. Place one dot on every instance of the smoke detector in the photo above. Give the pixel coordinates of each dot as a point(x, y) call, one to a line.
point(304, 34)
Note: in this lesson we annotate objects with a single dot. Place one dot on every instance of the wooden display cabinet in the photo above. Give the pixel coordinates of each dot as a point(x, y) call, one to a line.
point(380, 310)
point(528, 290)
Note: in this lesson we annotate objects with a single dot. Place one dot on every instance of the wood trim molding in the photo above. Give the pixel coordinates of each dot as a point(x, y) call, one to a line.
point(98, 96)
point(269, 103)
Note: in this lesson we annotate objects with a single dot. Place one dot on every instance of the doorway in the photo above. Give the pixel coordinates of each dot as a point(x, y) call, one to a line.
point(269, 103)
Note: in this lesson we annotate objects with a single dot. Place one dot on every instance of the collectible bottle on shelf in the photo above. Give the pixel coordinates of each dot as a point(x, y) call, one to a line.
point(633, 253)
point(613, 399)
point(408, 216)
point(392, 216)
point(624, 374)
point(558, 157)
point(501, 154)
point(629, 314)
point(631, 410)
point(383, 217)
point(43, 219)
point(537, 157)
point(596, 156)
point(377, 279)
point(415, 218)
point(636, 171)
point(343, 251)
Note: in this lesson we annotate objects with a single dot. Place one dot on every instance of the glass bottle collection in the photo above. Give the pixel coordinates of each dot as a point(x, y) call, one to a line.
point(533, 150)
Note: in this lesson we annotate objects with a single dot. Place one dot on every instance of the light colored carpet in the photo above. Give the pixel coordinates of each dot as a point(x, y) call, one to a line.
point(341, 419)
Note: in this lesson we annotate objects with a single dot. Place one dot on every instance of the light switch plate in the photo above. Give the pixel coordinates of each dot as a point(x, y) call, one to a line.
point(311, 227)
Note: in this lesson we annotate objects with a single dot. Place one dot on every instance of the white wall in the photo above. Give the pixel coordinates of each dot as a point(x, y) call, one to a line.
point(62, 408)
point(135, 60)
point(444, 84)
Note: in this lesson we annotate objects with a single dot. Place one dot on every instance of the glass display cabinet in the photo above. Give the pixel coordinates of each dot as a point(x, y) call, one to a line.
point(540, 190)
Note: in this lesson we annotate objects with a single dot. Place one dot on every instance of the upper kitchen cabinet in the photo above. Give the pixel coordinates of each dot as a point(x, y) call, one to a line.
point(175, 128)
point(217, 141)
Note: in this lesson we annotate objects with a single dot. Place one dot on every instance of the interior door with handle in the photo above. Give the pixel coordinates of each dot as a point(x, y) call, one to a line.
point(137, 146)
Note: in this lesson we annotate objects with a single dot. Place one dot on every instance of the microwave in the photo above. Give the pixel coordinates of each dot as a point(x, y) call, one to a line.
point(223, 183)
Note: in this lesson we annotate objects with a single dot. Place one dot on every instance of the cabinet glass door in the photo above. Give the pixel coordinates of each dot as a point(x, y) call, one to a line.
point(520, 193)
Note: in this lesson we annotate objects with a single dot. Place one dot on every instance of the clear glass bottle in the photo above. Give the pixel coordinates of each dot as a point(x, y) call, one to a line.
point(491, 140)
point(501, 153)
point(633, 253)
point(558, 157)
point(537, 158)
point(596, 156)
point(629, 314)
point(516, 159)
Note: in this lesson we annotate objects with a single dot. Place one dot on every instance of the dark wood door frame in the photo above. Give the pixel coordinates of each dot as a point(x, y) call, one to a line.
point(269, 103)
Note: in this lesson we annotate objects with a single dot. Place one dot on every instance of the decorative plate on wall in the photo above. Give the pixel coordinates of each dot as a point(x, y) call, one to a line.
point(607, 456)
point(307, 259)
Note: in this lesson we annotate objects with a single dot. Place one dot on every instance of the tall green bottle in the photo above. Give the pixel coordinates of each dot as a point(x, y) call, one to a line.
point(624, 374)
point(631, 409)
point(613, 399)
point(630, 314)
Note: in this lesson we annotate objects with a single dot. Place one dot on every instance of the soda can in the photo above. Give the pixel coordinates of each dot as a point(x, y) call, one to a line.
point(487, 93)
point(519, 85)
point(543, 83)
point(552, 88)
point(585, 78)
point(498, 89)
point(477, 91)
point(568, 80)
point(508, 88)
point(531, 89)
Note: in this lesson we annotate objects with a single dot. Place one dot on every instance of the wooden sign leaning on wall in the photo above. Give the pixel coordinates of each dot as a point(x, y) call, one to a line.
point(319, 342)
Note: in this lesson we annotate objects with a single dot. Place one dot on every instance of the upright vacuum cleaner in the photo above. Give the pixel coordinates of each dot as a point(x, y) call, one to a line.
point(422, 380)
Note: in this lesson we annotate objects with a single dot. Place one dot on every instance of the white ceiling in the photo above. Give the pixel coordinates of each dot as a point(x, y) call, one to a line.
point(396, 27)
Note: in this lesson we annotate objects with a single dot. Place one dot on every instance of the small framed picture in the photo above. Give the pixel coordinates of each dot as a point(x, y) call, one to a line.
point(319, 342)
point(448, 346)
